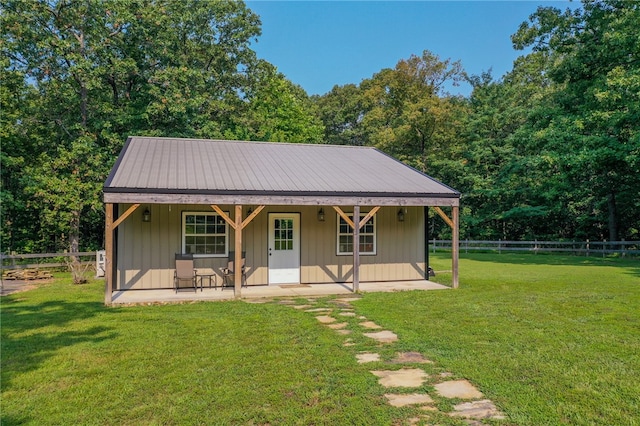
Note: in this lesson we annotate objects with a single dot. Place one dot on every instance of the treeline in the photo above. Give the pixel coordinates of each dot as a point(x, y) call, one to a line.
point(550, 150)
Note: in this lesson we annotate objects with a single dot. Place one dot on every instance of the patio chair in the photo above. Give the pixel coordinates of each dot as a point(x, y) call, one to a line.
point(229, 271)
point(184, 272)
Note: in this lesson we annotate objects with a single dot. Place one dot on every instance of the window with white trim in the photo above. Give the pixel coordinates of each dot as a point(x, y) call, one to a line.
point(204, 234)
point(367, 236)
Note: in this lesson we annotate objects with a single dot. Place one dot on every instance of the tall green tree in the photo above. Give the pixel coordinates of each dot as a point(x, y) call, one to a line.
point(594, 133)
point(275, 110)
point(103, 70)
point(404, 111)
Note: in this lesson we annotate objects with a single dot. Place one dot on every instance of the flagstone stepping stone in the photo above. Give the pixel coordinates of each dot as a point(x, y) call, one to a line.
point(367, 357)
point(384, 336)
point(347, 314)
point(347, 299)
point(410, 399)
point(458, 389)
point(287, 302)
point(410, 357)
point(343, 332)
point(445, 374)
point(319, 310)
point(302, 306)
point(337, 325)
point(483, 409)
point(325, 319)
point(370, 325)
point(404, 378)
point(348, 343)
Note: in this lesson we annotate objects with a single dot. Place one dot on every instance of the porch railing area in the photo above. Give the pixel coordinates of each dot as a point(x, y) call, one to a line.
point(580, 248)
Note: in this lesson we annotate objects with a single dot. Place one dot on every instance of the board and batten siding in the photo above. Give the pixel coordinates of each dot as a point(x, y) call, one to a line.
point(146, 249)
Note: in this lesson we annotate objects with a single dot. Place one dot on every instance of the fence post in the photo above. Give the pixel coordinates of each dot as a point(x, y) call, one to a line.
point(604, 248)
point(434, 244)
point(499, 245)
point(587, 247)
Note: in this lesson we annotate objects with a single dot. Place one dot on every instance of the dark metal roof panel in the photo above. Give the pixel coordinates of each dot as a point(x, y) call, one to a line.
point(172, 164)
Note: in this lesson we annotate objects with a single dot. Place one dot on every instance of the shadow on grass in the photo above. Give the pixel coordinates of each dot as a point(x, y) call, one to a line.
point(31, 333)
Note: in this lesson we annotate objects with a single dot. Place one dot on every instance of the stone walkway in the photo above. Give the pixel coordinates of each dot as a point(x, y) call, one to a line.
point(433, 392)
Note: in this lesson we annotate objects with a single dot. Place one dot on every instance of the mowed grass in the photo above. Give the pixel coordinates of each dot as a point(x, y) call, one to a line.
point(68, 360)
point(550, 339)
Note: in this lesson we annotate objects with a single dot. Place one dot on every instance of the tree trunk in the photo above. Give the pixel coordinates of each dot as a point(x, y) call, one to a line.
point(613, 217)
point(74, 233)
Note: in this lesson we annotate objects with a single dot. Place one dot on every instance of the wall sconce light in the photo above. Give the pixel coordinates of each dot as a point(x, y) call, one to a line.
point(321, 215)
point(146, 215)
point(401, 215)
point(249, 211)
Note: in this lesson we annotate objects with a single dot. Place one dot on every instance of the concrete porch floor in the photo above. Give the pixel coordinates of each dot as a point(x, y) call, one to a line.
point(261, 292)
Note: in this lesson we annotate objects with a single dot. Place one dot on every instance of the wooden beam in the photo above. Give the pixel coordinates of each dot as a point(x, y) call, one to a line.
point(344, 216)
point(282, 200)
point(108, 246)
point(237, 265)
point(252, 216)
point(224, 216)
point(444, 216)
point(125, 215)
point(455, 244)
point(368, 216)
point(356, 252)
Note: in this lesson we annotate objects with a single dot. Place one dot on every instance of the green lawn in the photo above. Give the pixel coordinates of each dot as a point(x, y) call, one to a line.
point(552, 340)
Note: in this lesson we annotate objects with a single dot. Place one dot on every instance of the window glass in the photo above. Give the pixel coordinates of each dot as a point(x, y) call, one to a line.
point(367, 236)
point(204, 234)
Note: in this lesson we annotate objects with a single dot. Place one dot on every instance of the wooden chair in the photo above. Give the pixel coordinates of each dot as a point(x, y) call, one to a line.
point(184, 272)
point(229, 271)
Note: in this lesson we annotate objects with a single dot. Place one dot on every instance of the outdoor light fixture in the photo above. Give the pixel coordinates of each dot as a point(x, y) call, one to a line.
point(401, 215)
point(146, 215)
point(321, 215)
point(249, 211)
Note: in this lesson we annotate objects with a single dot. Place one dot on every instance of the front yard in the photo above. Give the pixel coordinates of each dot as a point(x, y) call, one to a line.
point(551, 340)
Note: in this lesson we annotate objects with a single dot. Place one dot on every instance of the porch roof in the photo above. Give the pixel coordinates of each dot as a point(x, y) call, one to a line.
point(198, 171)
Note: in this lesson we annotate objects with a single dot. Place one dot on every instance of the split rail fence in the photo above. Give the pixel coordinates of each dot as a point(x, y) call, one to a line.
point(45, 260)
point(581, 248)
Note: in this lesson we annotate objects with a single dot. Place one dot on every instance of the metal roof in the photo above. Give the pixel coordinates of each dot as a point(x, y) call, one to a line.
point(157, 165)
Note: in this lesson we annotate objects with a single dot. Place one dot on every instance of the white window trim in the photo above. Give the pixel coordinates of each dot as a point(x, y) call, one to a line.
point(375, 236)
point(205, 213)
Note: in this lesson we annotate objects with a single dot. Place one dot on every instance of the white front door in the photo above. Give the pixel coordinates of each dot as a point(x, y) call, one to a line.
point(284, 248)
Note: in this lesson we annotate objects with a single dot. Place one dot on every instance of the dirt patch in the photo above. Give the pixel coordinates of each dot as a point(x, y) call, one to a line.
point(17, 286)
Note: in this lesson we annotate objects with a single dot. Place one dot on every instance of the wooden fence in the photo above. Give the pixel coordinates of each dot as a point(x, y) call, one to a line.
point(44, 260)
point(582, 248)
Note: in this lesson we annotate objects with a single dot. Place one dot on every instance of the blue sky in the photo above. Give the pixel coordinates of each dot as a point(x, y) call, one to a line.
point(319, 44)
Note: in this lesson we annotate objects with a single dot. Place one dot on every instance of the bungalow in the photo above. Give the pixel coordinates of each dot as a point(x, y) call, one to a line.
point(292, 210)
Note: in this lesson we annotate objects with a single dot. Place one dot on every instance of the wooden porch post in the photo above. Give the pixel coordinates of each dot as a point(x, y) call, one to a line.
point(109, 254)
point(237, 268)
point(455, 249)
point(356, 249)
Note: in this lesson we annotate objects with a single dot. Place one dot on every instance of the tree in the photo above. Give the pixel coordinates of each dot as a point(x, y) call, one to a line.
point(276, 110)
point(102, 71)
point(594, 134)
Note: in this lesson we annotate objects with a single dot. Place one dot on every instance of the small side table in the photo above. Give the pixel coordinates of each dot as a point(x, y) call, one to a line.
point(211, 277)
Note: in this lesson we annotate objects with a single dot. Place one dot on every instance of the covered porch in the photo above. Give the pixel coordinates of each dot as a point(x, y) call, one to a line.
point(346, 217)
point(124, 297)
